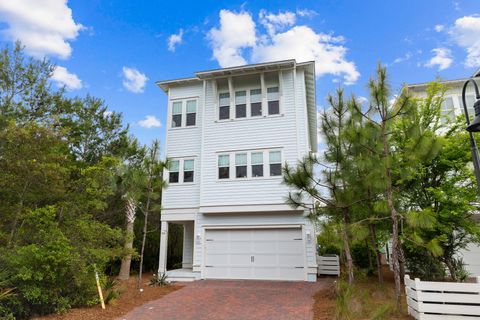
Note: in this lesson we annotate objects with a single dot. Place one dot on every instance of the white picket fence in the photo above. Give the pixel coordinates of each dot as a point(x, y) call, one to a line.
point(329, 265)
point(428, 300)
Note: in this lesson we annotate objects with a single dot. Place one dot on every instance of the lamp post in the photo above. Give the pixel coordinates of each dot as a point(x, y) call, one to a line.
point(473, 127)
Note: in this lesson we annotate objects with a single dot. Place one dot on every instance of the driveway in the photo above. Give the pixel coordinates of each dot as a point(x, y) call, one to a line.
point(233, 299)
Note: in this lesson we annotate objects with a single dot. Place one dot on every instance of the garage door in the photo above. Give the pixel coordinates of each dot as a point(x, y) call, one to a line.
point(267, 254)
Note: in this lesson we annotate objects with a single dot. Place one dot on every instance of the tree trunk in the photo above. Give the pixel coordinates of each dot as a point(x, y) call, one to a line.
point(346, 246)
point(145, 224)
point(369, 251)
point(393, 214)
point(378, 256)
point(451, 269)
point(130, 212)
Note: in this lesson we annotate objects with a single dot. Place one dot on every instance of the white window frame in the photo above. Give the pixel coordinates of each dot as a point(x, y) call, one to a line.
point(183, 170)
point(183, 124)
point(217, 173)
point(181, 166)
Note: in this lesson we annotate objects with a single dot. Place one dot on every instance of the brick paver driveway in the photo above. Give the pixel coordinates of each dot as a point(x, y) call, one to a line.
point(233, 299)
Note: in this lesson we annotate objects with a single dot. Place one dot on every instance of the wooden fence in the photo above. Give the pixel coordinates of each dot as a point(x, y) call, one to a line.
point(443, 300)
point(329, 265)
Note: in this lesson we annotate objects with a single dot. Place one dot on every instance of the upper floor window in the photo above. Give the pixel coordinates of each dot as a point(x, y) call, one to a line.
point(273, 98)
point(241, 165)
point(470, 100)
point(257, 164)
point(275, 160)
point(241, 104)
point(173, 169)
point(191, 112)
point(188, 170)
point(224, 166)
point(177, 114)
point(447, 109)
point(224, 106)
point(256, 102)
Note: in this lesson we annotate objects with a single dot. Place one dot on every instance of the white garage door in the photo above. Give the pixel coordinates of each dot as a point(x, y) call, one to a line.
point(268, 254)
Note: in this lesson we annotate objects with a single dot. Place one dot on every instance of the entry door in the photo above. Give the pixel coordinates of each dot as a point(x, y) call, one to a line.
point(267, 254)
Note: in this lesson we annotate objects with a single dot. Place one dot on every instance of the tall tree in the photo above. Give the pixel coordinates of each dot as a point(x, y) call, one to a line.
point(154, 175)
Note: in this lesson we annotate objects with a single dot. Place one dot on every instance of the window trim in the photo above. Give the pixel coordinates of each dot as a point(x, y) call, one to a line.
point(228, 166)
point(183, 124)
point(181, 166)
point(270, 163)
point(183, 170)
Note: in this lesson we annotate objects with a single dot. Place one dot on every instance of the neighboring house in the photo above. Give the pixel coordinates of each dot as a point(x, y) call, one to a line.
point(228, 133)
point(451, 108)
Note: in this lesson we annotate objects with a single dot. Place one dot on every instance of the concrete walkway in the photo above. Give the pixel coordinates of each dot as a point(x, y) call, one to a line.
point(233, 299)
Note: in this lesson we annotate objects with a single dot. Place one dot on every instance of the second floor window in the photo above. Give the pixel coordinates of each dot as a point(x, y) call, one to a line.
point(257, 164)
point(173, 171)
point(177, 114)
point(188, 170)
point(191, 112)
point(241, 165)
point(224, 106)
point(447, 110)
point(273, 98)
point(240, 104)
point(275, 160)
point(256, 102)
point(224, 166)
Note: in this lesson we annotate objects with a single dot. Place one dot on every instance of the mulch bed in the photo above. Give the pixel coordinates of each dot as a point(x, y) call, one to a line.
point(324, 305)
point(129, 298)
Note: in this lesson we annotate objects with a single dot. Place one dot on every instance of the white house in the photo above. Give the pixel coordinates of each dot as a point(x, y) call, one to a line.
point(453, 107)
point(228, 133)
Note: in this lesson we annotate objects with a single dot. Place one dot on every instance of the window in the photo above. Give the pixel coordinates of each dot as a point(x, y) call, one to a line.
point(470, 100)
point(224, 166)
point(191, 112)
point(447, 110)
point(256, 102)
point(240, 104)
point(275, 159)
point(173, 171)
point(241, 165)
point(188, 169)
point(177, 114)
point(224, 103)
point(273, 101)
point(257, 164)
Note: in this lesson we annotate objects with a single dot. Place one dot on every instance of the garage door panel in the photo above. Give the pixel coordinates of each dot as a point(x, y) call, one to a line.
point(255, 254)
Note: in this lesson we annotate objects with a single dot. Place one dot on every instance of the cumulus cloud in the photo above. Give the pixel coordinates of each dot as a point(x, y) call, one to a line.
point(304, 44)
point(282, 40)
point(439, 27)
point(442, 58)
point(150, 122)
point(174, 40)
point(275, 22)
point(44, 27)
point(62, 77)
point(466, 33)
point(236, 32)
point(133, 80)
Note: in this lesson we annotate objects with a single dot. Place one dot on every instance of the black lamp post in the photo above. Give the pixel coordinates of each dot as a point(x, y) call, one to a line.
point(473, 127)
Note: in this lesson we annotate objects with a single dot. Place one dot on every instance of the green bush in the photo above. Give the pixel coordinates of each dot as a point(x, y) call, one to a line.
point(48, 273)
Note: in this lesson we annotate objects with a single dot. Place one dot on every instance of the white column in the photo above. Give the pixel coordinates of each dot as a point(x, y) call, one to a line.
point(162, 264)
point(264, 94)
point(187, 258)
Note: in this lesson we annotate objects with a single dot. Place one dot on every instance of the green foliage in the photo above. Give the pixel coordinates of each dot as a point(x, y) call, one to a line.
point(159, 280)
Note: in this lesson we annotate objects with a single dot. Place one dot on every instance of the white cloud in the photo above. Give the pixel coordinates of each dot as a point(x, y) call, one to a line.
point(283, 40)
point(406, 57)
point(150, 122)
point(174, 40)
point(442, 58)
point(236, 32)
point(62, 77)
point(439, 27)
point(44, 27)
point(304, 44)
point(306, 13)
point(133, 80)
point(275, 22)
point(362, 100)
point(466, 33)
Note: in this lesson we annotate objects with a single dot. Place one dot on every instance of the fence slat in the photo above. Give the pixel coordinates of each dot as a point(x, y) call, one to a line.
point(329, 265)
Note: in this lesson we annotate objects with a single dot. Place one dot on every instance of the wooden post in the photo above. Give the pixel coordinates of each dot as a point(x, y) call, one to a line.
point(100, 294)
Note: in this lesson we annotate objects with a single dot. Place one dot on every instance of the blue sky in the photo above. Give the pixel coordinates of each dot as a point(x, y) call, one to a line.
point(116, 50)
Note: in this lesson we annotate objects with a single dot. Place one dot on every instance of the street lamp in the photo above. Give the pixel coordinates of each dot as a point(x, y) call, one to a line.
point(473, 127)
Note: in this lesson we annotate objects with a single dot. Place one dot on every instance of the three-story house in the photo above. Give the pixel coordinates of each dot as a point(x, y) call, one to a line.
point(229, 131)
